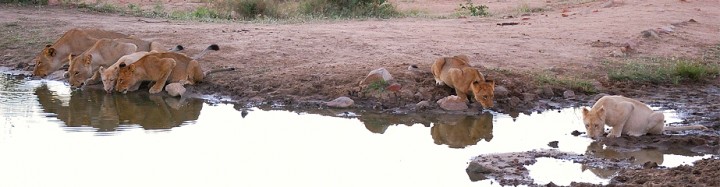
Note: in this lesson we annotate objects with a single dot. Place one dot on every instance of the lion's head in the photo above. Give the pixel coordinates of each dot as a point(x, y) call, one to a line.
point(125, 78)
point(483, 90)
point(79, 70)
point(108, 77)
point(44, 62)
point(594, 122)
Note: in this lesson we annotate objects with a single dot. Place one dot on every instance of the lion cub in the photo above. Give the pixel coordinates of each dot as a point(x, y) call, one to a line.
point(626, 116)
point(457, 73)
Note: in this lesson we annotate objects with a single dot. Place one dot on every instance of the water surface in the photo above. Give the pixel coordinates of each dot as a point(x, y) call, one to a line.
point(52, 136)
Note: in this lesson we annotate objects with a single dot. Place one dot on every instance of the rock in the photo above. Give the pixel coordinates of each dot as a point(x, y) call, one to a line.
point(576, 133)
point(528, 97)
point(515, 101)
point(452, 103)
point(422, 105)
point(257, 99)
point(545, 92)
point(568, 94)
point(376, 75)
point(598, 96)
point(340, 102)
point(413, 68)
point(616, 53)
point(650, 33)
point(650, 164)
point(501, 91)
point(598, 86)
point(666, 29)
point(394, 87)
point(175, 89)
point(553, 144)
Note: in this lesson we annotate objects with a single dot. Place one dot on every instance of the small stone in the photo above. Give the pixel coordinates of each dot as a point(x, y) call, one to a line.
point(422, 105)
point(501, 91)
point(340, 102)
point(617, 53)
point(650, 33)
point(377, 75)
point(576, 133)
point(568, 94)
point(394, 87)
point(452, 103)
point(515, 101)
point(553, 144)
point(650, 164)
point(528, 97)
point(175, 89)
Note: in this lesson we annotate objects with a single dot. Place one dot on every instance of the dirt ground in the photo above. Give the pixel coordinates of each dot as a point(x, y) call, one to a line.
point(305, 64)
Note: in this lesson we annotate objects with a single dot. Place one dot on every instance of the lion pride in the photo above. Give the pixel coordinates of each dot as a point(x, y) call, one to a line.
point(456, 73)
point(105, 52)
point(626, 116)
point(73, 42)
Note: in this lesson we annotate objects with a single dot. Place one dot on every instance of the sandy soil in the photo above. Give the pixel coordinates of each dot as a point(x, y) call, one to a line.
point(305, 64)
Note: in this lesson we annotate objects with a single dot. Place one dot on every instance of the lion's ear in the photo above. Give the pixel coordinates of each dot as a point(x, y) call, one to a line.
point(585, 112)
point(132, 67)
point(101, 69)
point(88, 59)
point(70, 59)
point(47, 46)
point(51, 52)
point(601, 112)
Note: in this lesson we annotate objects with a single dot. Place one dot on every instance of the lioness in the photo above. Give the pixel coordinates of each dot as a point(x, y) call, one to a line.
point(73, 42)
point(109, 75)
point(626, 116)
point(104, 53)
point(457, 73)
point(186, 71)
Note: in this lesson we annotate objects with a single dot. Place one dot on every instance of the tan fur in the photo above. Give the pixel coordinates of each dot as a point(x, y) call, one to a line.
point(456, 73)
point(110, 74)
point(73, 42)
point(625, 116)
point(104, 53)
point(148, 68)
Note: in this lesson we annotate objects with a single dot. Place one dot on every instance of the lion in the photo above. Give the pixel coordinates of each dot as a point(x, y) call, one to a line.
point(73, 42)
point(148, 68)
point(626, 116)
point(83, 68)
point(105, 52)
point(456, 73)
point(109, 75)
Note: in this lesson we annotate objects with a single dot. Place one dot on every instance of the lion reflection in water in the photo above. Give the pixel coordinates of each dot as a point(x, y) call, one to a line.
point(462, 131)
point(106, 112)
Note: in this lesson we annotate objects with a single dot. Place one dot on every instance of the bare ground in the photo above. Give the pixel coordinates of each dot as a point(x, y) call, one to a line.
point(305, 64)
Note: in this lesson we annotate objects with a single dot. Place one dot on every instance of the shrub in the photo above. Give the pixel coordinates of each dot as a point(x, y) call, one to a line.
point(474, 10)
point(349, 8)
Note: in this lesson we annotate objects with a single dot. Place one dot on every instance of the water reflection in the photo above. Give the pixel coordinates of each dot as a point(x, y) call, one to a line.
point(635, 156)
point(462, 131)
point(108, 112)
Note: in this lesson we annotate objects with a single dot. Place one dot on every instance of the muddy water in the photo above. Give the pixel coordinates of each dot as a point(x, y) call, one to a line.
point(52, 136)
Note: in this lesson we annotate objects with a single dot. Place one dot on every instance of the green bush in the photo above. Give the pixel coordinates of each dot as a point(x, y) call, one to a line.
point(349, 8)
point(249, 9)
point(661, 70)
point(474, 10)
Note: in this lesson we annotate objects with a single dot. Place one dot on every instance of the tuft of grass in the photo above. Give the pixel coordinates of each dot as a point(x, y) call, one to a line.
point(377, 86)
point(663, 70)
point(577, 84)
point(470, 9)
point(526, 8)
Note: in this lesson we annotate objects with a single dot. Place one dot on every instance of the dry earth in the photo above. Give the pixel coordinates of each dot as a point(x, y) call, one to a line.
point(305, 64)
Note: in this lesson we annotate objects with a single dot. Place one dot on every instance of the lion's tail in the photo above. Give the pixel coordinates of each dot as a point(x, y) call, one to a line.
point(213, 47)
point(218, 70)
point(683, 128)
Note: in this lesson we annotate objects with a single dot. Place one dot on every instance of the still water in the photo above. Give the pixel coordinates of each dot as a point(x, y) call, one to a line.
point(52, 136)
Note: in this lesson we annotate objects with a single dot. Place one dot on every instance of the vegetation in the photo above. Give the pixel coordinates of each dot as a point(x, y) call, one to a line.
point(662, 70)
point(28, 2)
point(577, 84)
point(348, 8)
point(377, 86)
point(525, 8)
point(472, 10)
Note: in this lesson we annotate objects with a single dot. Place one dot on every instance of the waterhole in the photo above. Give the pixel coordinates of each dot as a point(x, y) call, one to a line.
point(52, 136)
